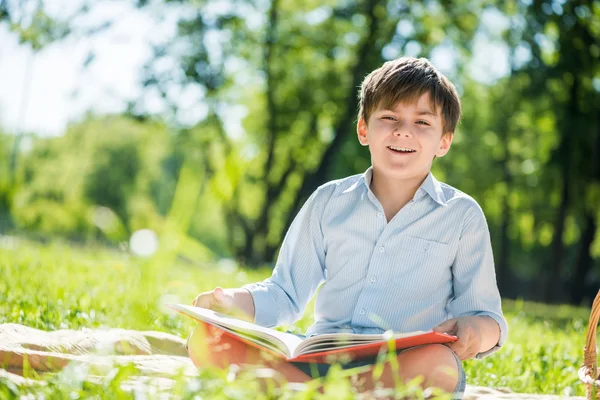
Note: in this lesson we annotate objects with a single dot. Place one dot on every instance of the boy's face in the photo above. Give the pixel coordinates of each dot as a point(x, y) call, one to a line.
point(408, 125)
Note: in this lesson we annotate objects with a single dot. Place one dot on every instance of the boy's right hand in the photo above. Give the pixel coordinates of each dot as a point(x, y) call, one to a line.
point(237, 302)
point(216, 300)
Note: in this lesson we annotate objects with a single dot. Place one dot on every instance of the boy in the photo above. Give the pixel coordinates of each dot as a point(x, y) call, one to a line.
point(393, 247)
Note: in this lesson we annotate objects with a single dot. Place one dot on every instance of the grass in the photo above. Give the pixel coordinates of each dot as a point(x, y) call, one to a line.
point(57, 286)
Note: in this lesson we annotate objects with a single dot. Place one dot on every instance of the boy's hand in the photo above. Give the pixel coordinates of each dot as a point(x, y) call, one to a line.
point(475, 334)
point(237, 302)
point(216, 300)
point(468, 333)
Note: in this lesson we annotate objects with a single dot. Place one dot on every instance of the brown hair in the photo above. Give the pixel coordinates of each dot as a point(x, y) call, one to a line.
point(406, 79)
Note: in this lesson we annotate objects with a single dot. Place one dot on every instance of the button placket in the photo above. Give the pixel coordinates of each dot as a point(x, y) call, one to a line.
point(375, 260)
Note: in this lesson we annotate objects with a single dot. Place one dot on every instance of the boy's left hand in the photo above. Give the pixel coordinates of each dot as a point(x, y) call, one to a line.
point(467, 330)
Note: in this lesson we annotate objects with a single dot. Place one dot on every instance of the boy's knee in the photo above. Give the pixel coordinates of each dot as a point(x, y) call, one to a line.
point(435, 362)
point(208, 346)
point(197, 346)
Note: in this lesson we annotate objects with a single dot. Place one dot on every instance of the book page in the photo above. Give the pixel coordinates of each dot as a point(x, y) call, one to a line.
point(283, 343)
point(331, 341)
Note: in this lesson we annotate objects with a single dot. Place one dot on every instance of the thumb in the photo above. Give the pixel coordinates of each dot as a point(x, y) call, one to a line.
point(223, 300)
point(448, 326)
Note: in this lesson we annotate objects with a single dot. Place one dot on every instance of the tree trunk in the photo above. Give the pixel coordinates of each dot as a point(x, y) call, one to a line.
point(311, 180)
point(584, 258)
point(271, 248)
point(261, 226)
point(557, 247)
point(554, 286)
point(503, 267)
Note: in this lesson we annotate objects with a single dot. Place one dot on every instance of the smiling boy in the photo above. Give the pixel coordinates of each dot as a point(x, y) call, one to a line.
point(392, 248)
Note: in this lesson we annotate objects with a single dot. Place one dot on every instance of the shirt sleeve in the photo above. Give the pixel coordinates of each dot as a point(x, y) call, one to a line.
point(282, 298)
point(474, 276)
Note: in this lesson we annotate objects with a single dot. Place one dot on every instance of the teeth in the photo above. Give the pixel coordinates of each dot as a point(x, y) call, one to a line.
point(401, 149)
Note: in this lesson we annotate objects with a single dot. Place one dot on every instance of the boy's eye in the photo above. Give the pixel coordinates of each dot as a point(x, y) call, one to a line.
point(389, 118)
point(423, 123)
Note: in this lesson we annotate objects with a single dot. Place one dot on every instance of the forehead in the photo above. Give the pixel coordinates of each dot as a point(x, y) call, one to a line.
point(423, 103)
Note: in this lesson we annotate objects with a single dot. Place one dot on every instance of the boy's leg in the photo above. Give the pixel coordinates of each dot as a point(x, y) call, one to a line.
point(209, 346)
point(436, 363)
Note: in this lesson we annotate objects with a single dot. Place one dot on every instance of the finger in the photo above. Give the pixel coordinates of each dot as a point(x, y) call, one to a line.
point(448, 326)
point(468, 341)
point(203, 300)
point(473, 350)
point(220, 298)
point(219, 293)
point(456, 347)
point(196, 301)
point(469, 352)
point(461, 345)
point(223, 300)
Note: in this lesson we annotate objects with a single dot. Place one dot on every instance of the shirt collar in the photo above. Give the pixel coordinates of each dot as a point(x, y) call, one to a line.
point(430, 185)
point(434, 189)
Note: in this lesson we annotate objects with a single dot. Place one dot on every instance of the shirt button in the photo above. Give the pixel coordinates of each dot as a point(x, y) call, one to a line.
point(362, 312)
point(379, 214)
point(373, 279)
point(381, 249)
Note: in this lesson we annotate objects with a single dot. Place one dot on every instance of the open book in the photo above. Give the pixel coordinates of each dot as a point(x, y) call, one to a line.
point(325, 348)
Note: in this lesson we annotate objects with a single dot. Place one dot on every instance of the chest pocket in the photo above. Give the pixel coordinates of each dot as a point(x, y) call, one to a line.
point(423, 265)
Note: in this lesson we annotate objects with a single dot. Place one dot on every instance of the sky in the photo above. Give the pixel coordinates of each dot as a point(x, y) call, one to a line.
point(60, 89)
point(42, 92)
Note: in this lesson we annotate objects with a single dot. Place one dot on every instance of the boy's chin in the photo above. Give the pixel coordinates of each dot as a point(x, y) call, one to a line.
point(402, 171)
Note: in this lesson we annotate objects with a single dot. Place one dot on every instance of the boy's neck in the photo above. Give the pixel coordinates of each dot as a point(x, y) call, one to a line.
point(393, 194)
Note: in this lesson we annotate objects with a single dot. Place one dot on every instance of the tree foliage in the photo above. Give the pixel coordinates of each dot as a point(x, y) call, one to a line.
point(279, 83)
point(109, 163)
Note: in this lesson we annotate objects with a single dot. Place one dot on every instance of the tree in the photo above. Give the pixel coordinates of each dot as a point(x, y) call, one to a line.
point(112, 162)
point(301, 70)
point(566, 59)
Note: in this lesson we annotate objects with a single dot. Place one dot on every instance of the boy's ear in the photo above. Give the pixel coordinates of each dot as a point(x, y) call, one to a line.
point(361, 130)
point(445, 143)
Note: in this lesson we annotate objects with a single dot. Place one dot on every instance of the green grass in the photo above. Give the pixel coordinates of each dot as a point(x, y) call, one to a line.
point(57, 286)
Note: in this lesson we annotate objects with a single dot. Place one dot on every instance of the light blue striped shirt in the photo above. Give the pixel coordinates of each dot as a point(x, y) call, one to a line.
point(433, 261)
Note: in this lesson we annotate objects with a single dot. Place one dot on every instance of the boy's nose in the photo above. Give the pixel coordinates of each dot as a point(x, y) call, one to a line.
point(402, 131)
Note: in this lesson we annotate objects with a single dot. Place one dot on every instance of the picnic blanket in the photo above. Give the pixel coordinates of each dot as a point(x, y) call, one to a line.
point(158, 356)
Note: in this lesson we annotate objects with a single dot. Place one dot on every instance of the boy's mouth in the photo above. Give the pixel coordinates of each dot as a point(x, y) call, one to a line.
point(401, 150)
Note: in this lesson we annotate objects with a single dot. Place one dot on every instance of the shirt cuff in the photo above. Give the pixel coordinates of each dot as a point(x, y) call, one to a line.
point(265, 310)
point(503, 333)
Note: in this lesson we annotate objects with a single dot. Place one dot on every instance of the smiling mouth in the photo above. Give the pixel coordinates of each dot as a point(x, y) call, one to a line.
point(401, 150)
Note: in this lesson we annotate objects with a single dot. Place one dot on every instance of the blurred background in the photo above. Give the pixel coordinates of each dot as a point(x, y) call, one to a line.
point(200, 127)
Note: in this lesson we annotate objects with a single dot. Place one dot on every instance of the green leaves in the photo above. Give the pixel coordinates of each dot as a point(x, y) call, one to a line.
point(278, 81)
